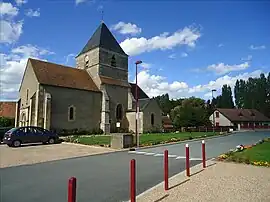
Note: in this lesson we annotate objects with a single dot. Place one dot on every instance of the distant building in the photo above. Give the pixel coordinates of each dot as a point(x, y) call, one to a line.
point(239, 118)
point(167, 124)
point(7, 109)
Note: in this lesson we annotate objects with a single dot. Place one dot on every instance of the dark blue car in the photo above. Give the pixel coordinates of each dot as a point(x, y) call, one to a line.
point(29, 134)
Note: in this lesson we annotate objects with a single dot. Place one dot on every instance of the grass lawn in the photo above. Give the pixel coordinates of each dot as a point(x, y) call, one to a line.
point(145, 139)
point(260, 152)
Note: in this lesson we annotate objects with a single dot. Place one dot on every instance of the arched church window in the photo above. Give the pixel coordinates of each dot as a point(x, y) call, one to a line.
point(86, 60)
point(27, 95)
point(119, 112)
point(113, 61)
point(152, 119)
point(71, 113)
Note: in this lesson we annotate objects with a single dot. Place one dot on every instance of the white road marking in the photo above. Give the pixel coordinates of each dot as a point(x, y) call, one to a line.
point(172, 156)
point(180, 157)
point(149, 154)
point(159, 155)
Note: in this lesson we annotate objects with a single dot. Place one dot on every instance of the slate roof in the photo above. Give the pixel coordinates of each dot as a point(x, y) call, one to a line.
point(103, 38)
point(141, 93)
point(251, 115)
point(62, 76)
point(7, 109)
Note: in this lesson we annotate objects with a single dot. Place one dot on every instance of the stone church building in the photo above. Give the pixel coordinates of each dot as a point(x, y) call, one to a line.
point(94, 95)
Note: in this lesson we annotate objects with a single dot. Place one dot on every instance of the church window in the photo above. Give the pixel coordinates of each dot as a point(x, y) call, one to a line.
point(86, 60)
point(119, 112)
point(113, 61)
point(71, 113)
point(152, 119)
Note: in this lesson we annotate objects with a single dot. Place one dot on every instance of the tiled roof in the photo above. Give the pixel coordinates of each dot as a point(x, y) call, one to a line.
point(141, 93)
point(243, 115)
point(111, 81)
point(62, 76)
point(7, 109)
point(102, 38)
point(167, 122)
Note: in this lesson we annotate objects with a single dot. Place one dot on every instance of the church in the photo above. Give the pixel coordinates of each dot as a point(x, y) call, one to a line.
point(95, 95)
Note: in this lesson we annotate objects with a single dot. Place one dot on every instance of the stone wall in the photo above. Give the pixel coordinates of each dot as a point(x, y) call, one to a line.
point(117, 95)
point(152, 108)
point(132, 121)
point(87, 108)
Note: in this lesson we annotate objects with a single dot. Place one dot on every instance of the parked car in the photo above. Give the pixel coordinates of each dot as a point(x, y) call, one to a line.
point(3, 130)
point(29, 134)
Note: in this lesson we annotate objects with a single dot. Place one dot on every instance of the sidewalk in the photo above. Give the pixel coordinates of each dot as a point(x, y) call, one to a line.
point(218, 182)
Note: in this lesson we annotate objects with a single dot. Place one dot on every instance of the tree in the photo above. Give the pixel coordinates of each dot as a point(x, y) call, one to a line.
point(226, 97)
point(164, 102)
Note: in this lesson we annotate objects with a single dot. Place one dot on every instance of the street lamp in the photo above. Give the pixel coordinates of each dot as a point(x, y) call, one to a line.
point(137, 106)
point(213, 90)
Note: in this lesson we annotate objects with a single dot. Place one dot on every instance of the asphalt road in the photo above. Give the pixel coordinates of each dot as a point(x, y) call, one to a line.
point(104, 177)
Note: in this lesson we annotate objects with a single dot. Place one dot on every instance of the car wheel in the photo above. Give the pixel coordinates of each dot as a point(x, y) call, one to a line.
point(51, 140)
point(16, 143)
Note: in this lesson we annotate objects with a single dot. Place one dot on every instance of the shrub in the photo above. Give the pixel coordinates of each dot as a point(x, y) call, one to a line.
point(7, 122)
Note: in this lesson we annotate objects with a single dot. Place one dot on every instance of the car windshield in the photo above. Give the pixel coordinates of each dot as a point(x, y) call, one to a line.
point(12, 130)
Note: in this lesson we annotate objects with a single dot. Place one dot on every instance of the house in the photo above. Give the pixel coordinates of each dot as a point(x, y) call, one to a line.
point(7, 109)
point(239, 118)
point(93, 95)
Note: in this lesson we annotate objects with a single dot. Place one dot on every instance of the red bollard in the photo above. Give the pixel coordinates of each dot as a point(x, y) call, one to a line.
point(187, 161)
point(166, 170)
point(72, 189)
point(203, 154)
point(132, 180)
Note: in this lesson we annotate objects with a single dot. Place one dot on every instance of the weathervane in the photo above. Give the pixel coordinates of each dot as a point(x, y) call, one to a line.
point(102, 15)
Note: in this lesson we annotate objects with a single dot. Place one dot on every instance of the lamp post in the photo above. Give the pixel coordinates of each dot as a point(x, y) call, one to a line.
point(137, 106)
point(213, 90)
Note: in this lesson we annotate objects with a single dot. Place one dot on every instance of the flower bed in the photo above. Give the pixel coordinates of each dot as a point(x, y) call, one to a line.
point(256, 154)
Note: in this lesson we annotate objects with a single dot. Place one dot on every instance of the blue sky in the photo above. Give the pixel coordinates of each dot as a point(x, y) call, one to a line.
point(188, 48)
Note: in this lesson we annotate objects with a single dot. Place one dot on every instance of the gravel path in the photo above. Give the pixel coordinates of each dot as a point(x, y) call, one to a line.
point(41, 153)
point(219, 182)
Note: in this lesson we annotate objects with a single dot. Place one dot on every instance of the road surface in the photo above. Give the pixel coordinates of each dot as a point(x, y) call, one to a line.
point(106, 177)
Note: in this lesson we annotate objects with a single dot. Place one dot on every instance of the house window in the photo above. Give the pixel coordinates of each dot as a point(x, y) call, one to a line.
point(217, 123)
point(217, 114)
point(113, 61)
point(152, 119)
point(27, 95)
point(71, 113)
point(119, 112)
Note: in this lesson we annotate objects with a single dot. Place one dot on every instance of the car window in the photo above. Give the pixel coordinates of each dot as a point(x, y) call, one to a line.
point(22, 131)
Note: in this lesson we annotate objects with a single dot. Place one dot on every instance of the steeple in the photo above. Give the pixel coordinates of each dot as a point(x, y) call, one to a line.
point(102, 38)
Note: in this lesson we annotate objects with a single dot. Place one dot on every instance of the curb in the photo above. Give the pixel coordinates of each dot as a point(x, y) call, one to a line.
point(195, 169)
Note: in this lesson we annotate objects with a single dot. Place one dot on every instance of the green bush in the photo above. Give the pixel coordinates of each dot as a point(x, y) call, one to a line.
point(7, 122)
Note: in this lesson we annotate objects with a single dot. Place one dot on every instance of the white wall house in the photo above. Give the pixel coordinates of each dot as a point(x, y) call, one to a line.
point(239, 118)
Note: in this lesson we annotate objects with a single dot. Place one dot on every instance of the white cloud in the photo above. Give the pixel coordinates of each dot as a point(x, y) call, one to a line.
point(222, 68)
point(79, 1)
point(218, 83)
point(20, 2)
point(252, 47)
point(8, 9)
point(10, 31)
point(248, 58)
point(155, 85)
point(71, 55)
point(183, 55)
point(135, 46)
point(220, 45)
point(126, 28)
point(146, 65)
point(13, 66)
point(172, 56)
point(32, 13)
